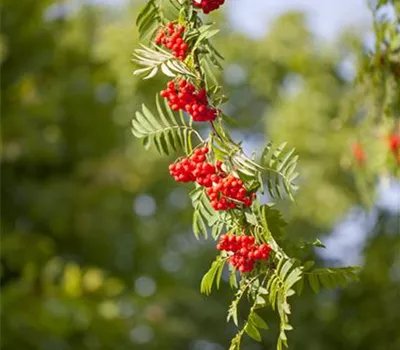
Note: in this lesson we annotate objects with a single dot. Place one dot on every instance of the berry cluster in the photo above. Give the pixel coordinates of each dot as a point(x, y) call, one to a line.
point(208, 5)
point(245, 251)
point(171, 38)
point(227, 191)
point(194, 168)
point(224, 191)
point(183, 96)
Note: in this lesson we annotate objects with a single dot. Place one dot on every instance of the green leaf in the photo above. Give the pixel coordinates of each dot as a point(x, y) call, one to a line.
point(258, 321)
point(282, 335)
point(252, 331)
point(285, 269)
point(300, 286)
point(148, 19)
point(154, 60)
point(205, 215)
point(232, 311)
point(232, 279)
point(251, 219)
point(293, 277)
point(308, 265)
point(314, 284)
point(195, 225)
point(143, 12)
point(279, 286)
point(331, 277)
point(279, 168)
point(229, 121)
point(210, 76)
point(165, 133)
point(206, 33)
point(219, 275)
point(213, 273)
point(275, 220)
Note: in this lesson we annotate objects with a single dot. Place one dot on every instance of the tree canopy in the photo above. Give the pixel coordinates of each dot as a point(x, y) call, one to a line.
point(97, 250)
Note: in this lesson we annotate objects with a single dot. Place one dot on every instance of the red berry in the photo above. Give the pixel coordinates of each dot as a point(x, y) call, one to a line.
point(229, 190)
point(208, 5)
point(244, 252)
point(394, 143)
point(185, 98)
point(171, 38)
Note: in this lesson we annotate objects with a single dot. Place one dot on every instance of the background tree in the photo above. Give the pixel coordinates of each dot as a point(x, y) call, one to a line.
point(84, 263)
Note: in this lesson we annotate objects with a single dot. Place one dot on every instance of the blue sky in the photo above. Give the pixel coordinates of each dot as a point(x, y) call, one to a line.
point(327, 18)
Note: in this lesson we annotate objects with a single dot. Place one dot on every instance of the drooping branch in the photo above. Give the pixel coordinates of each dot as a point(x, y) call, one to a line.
point(227, 182)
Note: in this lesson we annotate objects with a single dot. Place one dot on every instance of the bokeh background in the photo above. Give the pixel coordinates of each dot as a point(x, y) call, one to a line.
point(96, 248)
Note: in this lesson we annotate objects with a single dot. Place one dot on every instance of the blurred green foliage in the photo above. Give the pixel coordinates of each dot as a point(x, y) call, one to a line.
point(96, 248)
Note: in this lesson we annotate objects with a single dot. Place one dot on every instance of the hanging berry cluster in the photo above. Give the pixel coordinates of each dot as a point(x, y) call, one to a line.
point(226, 179)
point(224, 191)
point(171, 38)
point(228, 192)
point(208, 5)
point(194, 168)
point(244, 251)
point(183, 96)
